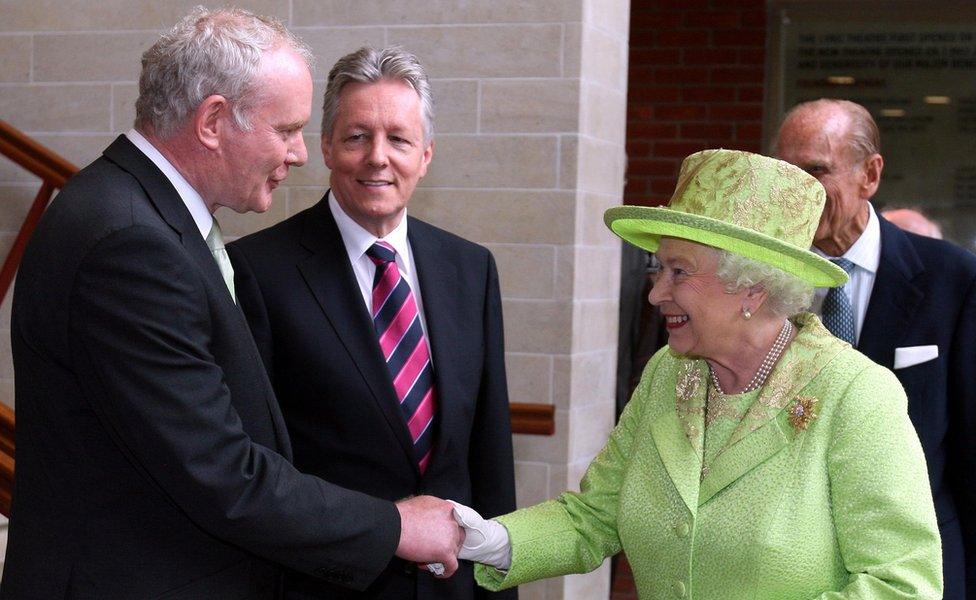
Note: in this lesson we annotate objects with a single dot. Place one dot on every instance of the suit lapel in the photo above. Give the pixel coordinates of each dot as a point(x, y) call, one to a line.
point(894, 297)
point(679, 434)
point(765, 429)
point(753, 450)
point(331, 281)
point(159, 190)
point(171, 208)
point(680, 459)
point(440, 296)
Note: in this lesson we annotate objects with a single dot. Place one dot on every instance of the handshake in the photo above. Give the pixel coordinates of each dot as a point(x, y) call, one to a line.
point(437, 533)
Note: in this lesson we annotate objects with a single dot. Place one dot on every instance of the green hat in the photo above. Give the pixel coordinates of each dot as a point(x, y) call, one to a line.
point(762, 208)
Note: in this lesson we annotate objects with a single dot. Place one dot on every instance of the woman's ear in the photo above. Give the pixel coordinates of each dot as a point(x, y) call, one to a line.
point(755, 298)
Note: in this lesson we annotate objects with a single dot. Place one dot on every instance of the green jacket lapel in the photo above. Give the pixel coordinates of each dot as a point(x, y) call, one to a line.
point(679, 457)
point(753, 450)
point(766, 428)
point(679, 435)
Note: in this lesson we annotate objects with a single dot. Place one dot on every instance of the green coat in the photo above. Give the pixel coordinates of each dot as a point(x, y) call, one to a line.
point(834, 506)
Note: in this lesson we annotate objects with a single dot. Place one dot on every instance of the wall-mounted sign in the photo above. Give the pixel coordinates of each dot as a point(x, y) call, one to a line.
point(914, 68)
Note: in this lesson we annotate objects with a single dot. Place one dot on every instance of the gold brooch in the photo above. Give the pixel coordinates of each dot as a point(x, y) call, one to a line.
point(804, 411)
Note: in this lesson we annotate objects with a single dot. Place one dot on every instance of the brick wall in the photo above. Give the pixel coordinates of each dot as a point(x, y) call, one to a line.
point(696, 82)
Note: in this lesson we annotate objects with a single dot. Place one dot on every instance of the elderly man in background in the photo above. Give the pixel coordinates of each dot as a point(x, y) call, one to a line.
point(910, 305)
point(152, 458)
point(911, 219)
point(383, 334)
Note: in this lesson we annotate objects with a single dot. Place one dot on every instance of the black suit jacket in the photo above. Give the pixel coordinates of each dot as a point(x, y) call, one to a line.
point(298, 290)
point(152, 458)
point(925, 294)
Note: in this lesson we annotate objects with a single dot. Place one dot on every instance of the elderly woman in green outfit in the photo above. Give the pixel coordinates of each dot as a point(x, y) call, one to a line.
point(760, 457)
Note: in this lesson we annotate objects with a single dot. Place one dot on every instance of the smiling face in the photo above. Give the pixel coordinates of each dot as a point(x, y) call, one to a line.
point(377, 152)
point(255, 161)
point(701, 317)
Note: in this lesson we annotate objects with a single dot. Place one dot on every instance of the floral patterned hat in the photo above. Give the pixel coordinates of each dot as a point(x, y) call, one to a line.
point(762, 208)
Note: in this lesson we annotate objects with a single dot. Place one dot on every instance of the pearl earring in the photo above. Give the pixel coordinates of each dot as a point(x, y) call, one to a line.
point(746, 314)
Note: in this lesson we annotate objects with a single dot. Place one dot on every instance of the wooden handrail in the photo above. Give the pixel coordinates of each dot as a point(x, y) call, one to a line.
point(6, 457)
point(533, 419)
point(32, 156)
point(54, 171)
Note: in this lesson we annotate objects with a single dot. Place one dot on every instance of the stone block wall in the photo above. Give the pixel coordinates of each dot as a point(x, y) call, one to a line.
point(529, 129)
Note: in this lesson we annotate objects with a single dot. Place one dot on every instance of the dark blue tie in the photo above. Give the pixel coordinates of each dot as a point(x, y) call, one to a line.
point(837, 312)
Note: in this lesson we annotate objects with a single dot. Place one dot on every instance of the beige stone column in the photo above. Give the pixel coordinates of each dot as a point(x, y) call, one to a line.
point(529, 172)
point(530, 122)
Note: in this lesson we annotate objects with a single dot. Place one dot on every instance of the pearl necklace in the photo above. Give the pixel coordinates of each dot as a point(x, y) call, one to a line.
point(767, 364)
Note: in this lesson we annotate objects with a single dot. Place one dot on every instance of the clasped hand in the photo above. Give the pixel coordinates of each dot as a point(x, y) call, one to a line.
point(436, 533)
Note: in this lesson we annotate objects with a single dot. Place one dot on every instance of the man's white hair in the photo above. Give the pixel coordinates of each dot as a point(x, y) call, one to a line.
point(208, 53)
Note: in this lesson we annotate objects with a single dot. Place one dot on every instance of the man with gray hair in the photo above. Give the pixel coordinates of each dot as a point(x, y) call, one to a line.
point(382, 333)
point(910, 305)
point(152, 457)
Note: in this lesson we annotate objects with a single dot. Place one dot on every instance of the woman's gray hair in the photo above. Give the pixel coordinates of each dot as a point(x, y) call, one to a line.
point(207, 53)
point(788, 294)
point(368, 65)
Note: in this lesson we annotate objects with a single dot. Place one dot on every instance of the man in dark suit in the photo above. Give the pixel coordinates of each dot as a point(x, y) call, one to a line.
point(152, 458)
point(910, 305)
point(383, 334)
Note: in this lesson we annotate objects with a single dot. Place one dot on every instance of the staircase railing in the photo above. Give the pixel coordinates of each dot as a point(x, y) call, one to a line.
point(54, 171)
point(6, 457)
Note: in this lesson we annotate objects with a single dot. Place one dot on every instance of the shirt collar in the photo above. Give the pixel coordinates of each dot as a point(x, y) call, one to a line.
point(193, 201)
point(865, 252)
point(357, 240)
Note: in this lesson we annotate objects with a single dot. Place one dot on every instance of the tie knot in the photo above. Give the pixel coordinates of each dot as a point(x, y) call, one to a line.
point(843, 263)
point(215, 239)
point(381, 253)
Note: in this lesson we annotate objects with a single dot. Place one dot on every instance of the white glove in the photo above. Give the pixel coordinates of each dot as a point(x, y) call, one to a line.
point(485, 541)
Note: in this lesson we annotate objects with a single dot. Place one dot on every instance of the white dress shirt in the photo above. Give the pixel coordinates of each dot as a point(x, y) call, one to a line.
point(865, 253)
point(193, 201)
point(357, 241)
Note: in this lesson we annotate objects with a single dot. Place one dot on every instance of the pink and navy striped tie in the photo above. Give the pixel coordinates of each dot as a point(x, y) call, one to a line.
point(404, 346)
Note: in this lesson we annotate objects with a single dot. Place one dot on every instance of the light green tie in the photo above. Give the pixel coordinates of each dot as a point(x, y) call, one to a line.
point(215, 241)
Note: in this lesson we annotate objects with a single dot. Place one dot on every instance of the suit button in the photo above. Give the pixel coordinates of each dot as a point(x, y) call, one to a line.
point(679, 589)
point(682, 530)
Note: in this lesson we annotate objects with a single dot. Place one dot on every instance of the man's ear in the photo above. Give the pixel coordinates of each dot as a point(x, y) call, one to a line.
point(209, 118)
point(325, 143)
point(428, 154)
point(873, 166)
